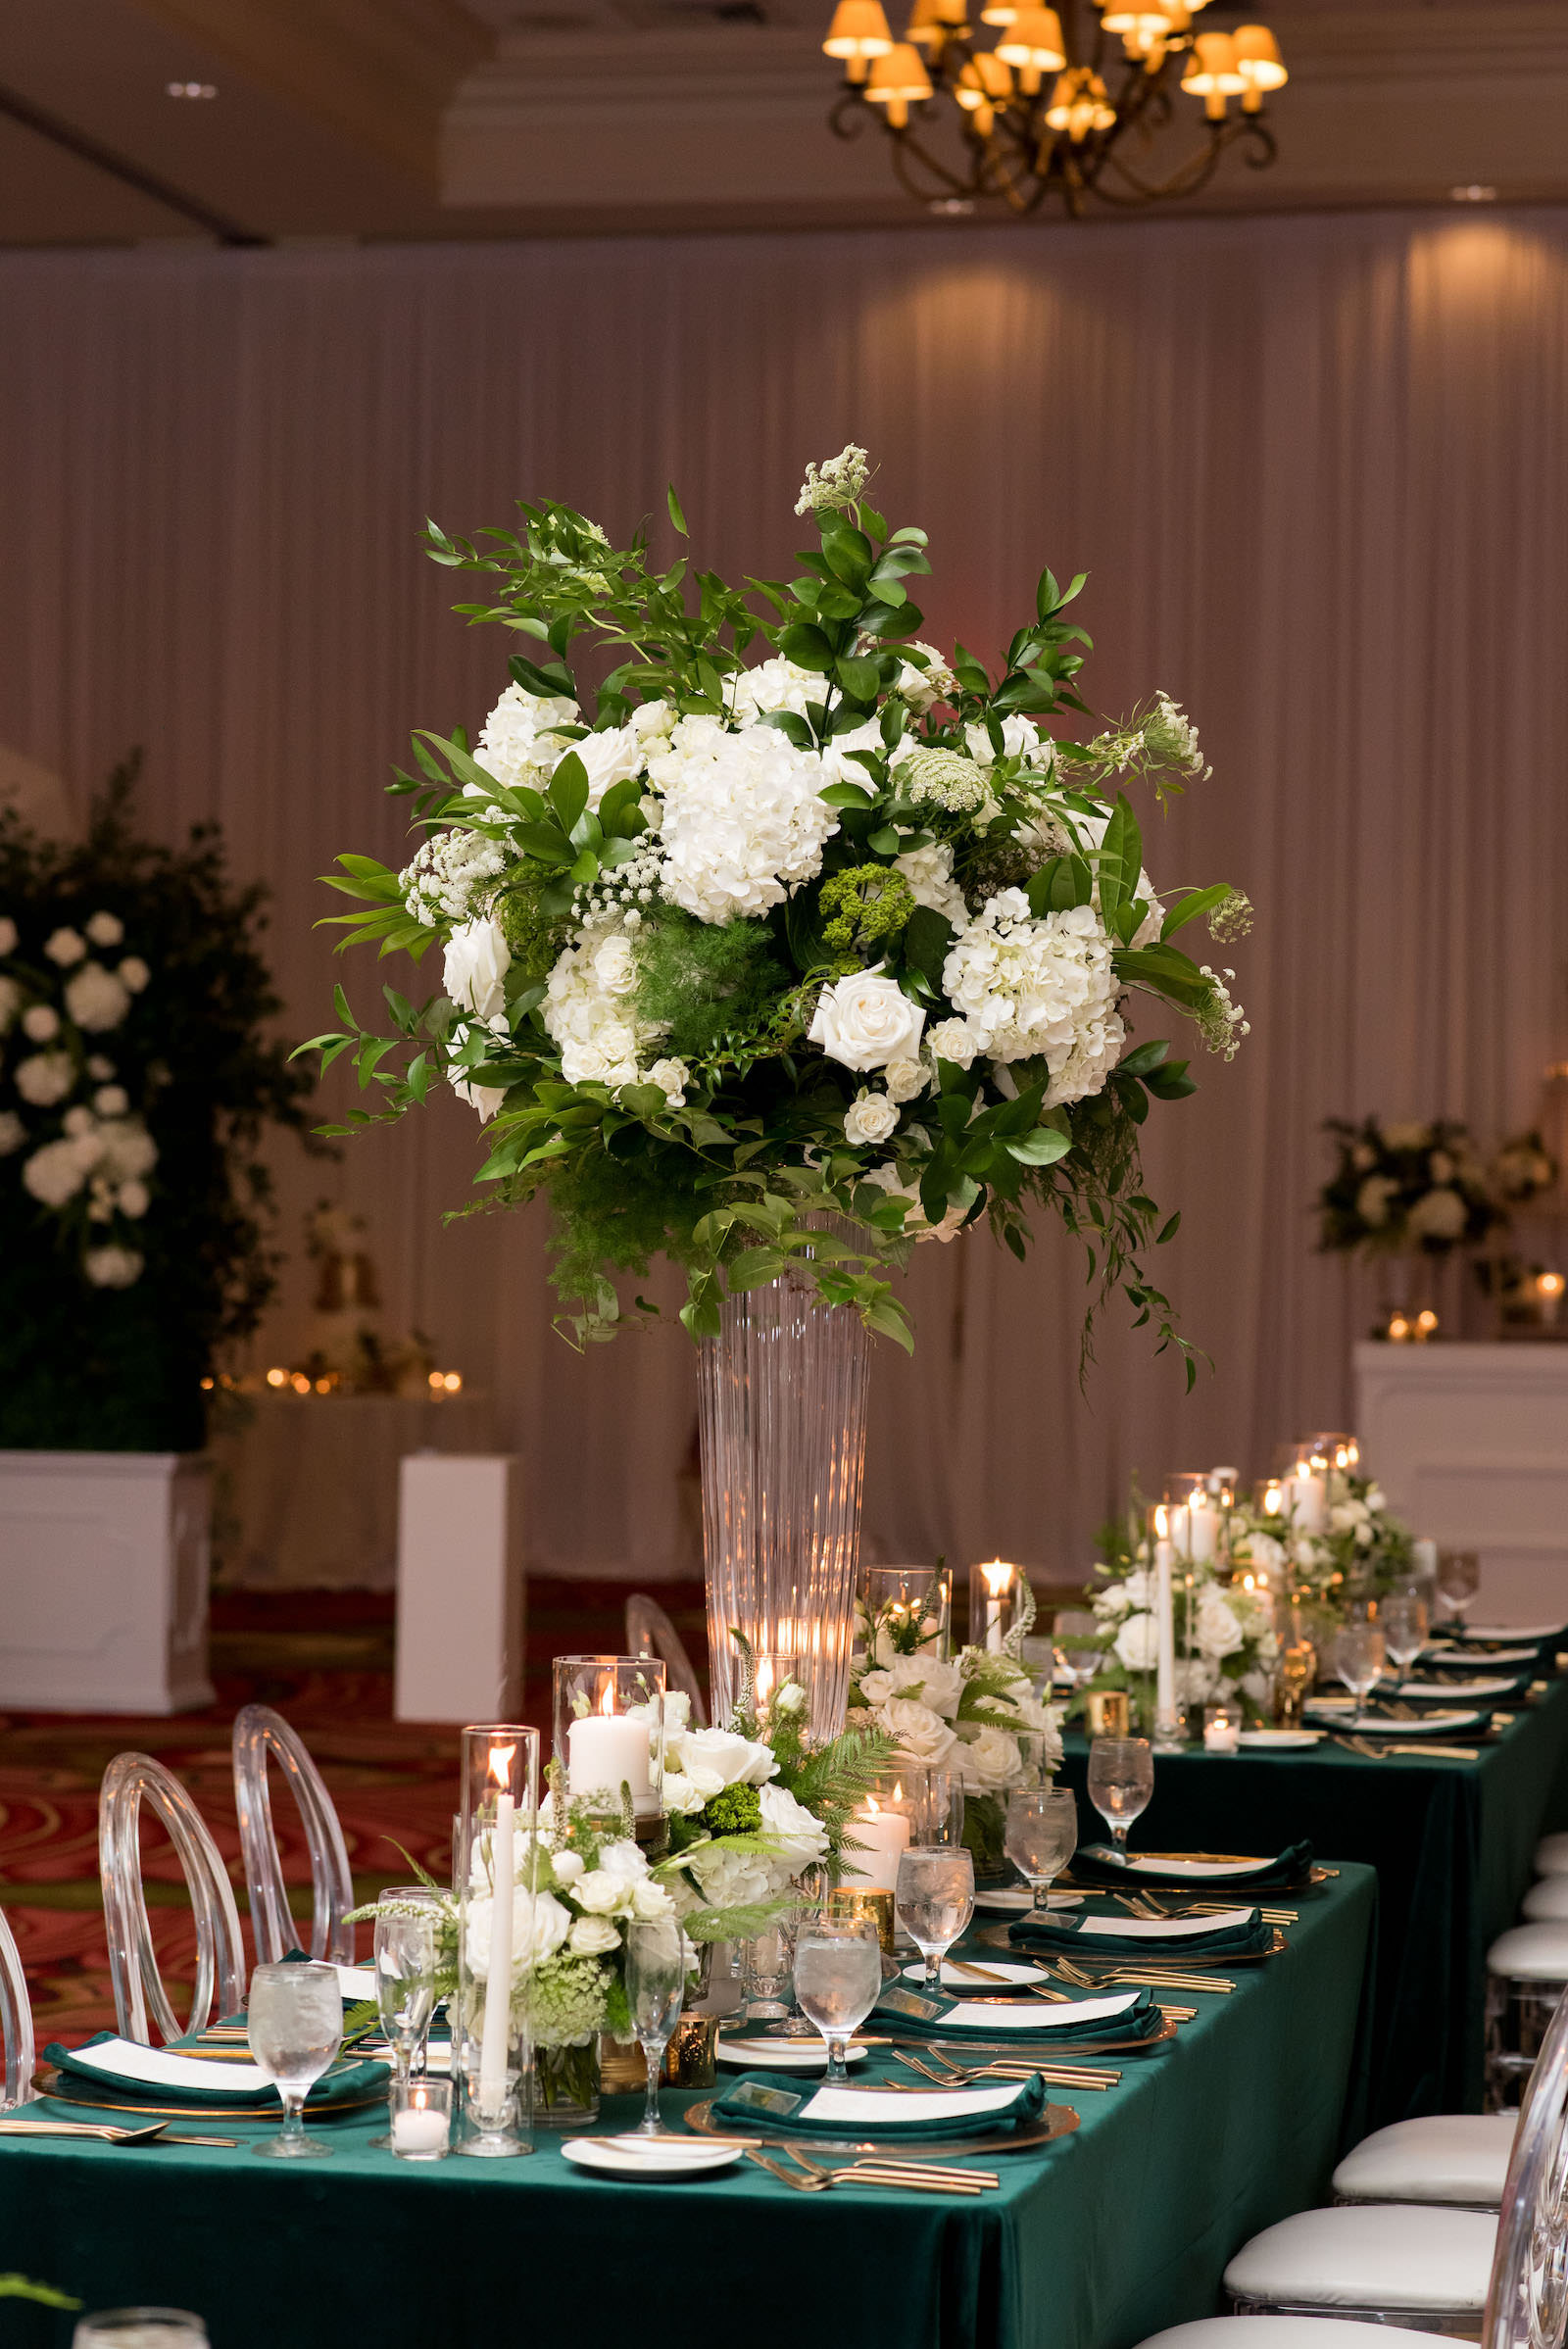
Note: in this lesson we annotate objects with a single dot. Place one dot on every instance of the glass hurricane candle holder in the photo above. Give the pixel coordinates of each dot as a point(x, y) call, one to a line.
point(993, 1603)
point(609, 1714)
point(1222, 1729)
point(782, 1682)
point(492, 2055)
point(1194, 1516)
point(905, 1609)
point(884, 1827)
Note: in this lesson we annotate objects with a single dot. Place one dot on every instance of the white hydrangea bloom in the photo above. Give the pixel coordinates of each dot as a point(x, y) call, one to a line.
point(112, 1267)
point(1027, 987)
point(929, 873)
point(58, 1171)
point(12, 1133)
point(742, 822)
point(64, 947)
point(587, 1009)
point(44, 1078)
point(447, 876)
point(519, 742)
point(106, 929)
point(97, 999)
point(1438, 1215)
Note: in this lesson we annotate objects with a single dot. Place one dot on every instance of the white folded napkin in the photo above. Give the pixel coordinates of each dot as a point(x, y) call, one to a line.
point(858, 2107)
point(1037, 2014)
point(1203, 1871)
point(1488, 1688)
point(1161, 1929)
point(156, 2067)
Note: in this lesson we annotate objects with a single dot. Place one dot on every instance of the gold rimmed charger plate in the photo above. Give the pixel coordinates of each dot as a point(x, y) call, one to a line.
point(1056, 2120)
point(1036, 2045)
point(49, 2082)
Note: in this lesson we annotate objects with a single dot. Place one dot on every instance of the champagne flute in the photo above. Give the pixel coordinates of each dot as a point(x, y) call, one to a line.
point(294, 2024)
point(1121, 1783)
point(838, 1981)
point(1459, 1580)
point(1041, 1837)
point(1358, 1653)
point(404, 1976)
point(934, 1900)
point(656, 1985)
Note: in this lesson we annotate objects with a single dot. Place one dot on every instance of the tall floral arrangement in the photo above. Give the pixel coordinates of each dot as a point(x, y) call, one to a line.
point(1407, 1185)
point(136, 1081)
point(796, 912)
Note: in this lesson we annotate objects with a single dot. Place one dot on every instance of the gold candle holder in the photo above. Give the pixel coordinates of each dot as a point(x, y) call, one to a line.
point(690, 2059)
point(622, 2071)
point(1108, 1713)
point(875, 1908)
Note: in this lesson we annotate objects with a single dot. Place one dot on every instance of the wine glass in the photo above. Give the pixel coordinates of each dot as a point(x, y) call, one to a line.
point(934, 1900)
point(404, 1976)
point(1459, 1580)
point(656, 1984)
point(1402, 1620)
point(1041, 1837)
point(1121, 1783)
point(1077, 1637)
point(294, 2024)
point(768, 1962)
point(838, 1981)
point(1358, 1653)
point(139, 2328)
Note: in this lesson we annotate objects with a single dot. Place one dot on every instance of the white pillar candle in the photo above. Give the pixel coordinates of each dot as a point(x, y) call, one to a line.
point(1202, 1518)
point(885, 1836)
point(1308, 1499)
point(609, 1751)
point(999, 1581)
point(1181, 1530)
point(496, 2043)
point(419, 2129)
point(1165, 1682)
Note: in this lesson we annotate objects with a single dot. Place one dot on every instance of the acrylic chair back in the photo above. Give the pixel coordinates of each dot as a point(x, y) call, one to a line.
point(131, 1781)
point(258, 1733)
point(649, 1633)
point(16, 2023)
point(1527, 2306)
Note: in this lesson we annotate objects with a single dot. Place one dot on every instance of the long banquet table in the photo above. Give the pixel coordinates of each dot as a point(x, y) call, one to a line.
point(1092, 2242)
point(1452, 1842)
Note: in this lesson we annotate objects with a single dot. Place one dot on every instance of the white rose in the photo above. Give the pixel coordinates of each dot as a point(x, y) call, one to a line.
point(475, 965)
point(869, 1119)
point(876, 1687)
point(39, 1023)
point(682, 1796)
point(64, 947)
point(1265, 1552)
point(134, 973)
point(672, 1078)
point(97, 999)
point(132, 1198)
point(609, 757)
point(919, 1732)
point(8, 935)
point(112, 1267)
point(951, 1039)
point(566, 1866)
point(598, 1891)
point(799, 1834)
point(1113, 1604)
point(45, 1078)
point(1217, 1629)
point(613, 965)
point(592, 1936)
point(867, 1020)
point(989, 1760)
point(12, 1133)
point(1347, 1515)
point(1376, 1499)
point(486, 1098)
point(905, 1079)
point(737, 1761)
point(1138, 1643)
point(936, 1683)
point(1438, 1215)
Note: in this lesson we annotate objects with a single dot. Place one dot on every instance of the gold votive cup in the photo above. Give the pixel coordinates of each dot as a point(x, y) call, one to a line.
point(622, 2071)
point(1108, 1713)
point(690, 2059)
point(877, 1908)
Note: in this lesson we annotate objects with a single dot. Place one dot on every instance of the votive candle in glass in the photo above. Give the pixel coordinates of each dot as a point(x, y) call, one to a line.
point(992, 1600)
point(422, 2118)
point(609, 1731)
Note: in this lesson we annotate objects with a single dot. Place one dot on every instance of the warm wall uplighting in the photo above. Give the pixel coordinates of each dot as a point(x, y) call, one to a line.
point(1473, 193)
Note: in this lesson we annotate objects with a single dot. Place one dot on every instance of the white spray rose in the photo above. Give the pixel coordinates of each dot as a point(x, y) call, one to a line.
point(952, 1040)
point(1138, 1643)
point(920, 1734)
point(1216, 1627)
point(905, 1080)
point(475, 965)
point(592, 1936)
point(869, 1119)
point(672, 1078)
point(867, 1020)
point(112, 1267)
point(989, 1760)
point(566, 1866)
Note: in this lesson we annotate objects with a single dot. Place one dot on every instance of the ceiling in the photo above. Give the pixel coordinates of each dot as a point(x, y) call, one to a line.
point(408, 119)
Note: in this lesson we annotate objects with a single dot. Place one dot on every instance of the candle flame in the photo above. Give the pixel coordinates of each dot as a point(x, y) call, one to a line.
point(764, 1679)
point(999, 1576)
point(1550, 1284)
point(874, 1807)
point(897, 1789)
point(1273, 1499)
point(1162, 1522)
point(501, 1763)
point(606, 1702)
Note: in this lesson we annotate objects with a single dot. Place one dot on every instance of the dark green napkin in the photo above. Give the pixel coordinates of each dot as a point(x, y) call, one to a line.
point(1102, 1864)
point(350, 2084)
point(1100, 1936)
point(931, 2013)
point(1517, 1685)
point(780, 2100)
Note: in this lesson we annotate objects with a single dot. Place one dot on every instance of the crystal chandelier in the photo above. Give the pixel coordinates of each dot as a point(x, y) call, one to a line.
point(1075, 100)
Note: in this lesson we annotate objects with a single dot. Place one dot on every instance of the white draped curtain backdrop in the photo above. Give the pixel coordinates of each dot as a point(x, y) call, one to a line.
point(1315, 470)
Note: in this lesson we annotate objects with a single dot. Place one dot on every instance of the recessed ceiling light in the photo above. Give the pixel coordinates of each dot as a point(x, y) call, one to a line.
point(1473, 193)
point(190, 90)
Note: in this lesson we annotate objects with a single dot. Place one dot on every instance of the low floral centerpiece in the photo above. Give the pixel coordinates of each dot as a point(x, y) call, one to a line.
point(1404, 1186)
point(1224, 1636)
point(1363, 1552)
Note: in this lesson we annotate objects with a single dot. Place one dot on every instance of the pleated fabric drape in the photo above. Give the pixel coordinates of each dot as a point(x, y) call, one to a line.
point(1315, 470)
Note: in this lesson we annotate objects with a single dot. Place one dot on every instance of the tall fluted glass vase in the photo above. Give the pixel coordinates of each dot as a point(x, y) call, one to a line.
point(782, 1392)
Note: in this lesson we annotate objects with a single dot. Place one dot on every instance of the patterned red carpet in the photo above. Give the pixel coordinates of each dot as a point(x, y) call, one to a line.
point(324, 1660)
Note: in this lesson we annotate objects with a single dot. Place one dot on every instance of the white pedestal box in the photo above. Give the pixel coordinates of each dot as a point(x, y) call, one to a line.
point(1470, 1443)
point(460, 1588)
point(104, 1567)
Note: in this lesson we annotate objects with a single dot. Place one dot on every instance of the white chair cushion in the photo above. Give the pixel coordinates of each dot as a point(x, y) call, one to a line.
point(1450, 2156)
point(1531, 1953)
point(1552, 1855)
point(1290, 2332)
point(1388, 2255)
point(1548, 1900)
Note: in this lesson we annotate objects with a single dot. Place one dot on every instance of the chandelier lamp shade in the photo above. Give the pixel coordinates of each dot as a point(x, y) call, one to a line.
point(1127, 104)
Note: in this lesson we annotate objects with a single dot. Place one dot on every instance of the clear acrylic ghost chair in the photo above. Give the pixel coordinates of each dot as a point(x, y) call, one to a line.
point(259, 1732)
point(649, 1633)
point(130, 1781)
point(16, 2023)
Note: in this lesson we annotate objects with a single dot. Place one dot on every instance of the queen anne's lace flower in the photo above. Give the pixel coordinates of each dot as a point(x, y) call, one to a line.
point(449, 875)
point(944, 778)
point(742, 822)
point(838, 483)
point(1046, 987)
point(588, 1009)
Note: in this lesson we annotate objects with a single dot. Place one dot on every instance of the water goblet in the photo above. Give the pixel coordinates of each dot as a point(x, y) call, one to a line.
point(1121, 1783)
point(404, 1978)
point(1359, 1652)
point(934, 1901)
point(1077, 1637)
point(1041, 1837)
point(139, 2328)
point(838, 1981)
point(294, 2024)
point(656, 1985)
point(1459, 1580)
point(1403, 1620)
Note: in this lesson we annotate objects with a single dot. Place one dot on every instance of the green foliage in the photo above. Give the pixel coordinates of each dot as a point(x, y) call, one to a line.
point(716, 986)
point(22, 2287)
point(533, 932)
point(736, 1811)
point(862, 909)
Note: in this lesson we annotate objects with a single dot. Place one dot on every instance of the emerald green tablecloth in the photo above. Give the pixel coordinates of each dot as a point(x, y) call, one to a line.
point(1093, 2242)
point(1452, 1842)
